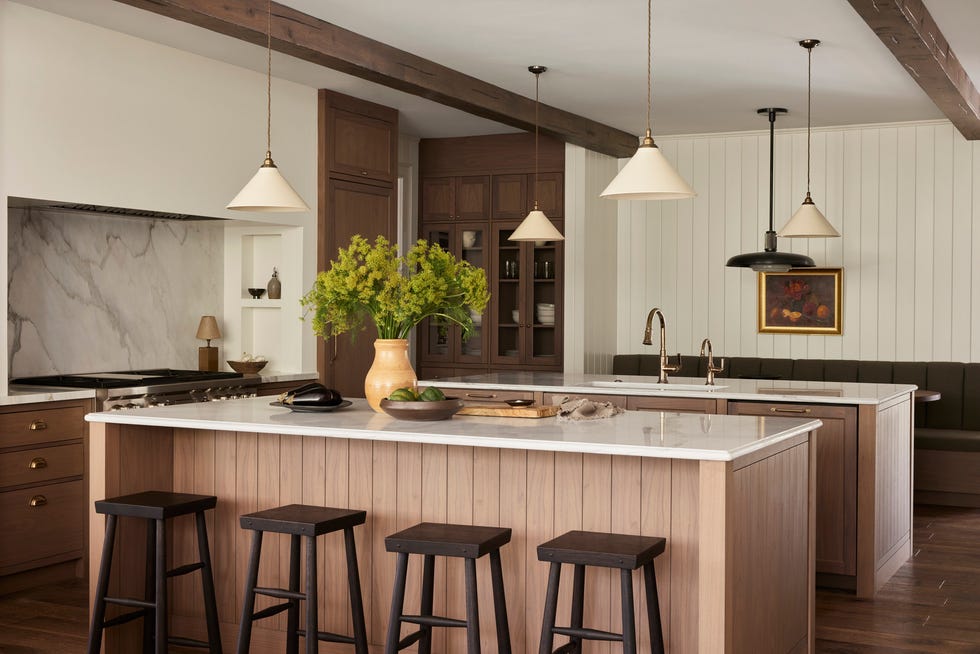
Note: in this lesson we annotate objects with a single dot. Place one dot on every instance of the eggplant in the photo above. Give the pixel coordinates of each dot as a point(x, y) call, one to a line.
point(314, 394)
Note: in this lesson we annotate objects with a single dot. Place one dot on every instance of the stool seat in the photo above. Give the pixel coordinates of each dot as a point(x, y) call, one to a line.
point(624, 551)
point(464, 541)
point(303, 520)
point(155, 505)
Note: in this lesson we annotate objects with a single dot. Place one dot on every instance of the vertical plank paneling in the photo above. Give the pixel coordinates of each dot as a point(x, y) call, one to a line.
point(313, 492)
point(733, 241)
point(975, 290)
point(409, 512)
point(942, 281)
point(486, 511)
point(905, 219)
point(383, 506)
point(246, 501)
point(655, 520)
point(887, 292)
point(961, 259)
point(751, 206)
point(267, 497)
point(868, 264)
point(183, 540)
point(601, 592)
point(684, 528)
point(626, 494)
point(224, 532)
point(459, 510)
point(925, 156)
point(540, 503)
point(687, 241)
point(515, 561)
point(290, 492)
point(816, 345)
point(718, 251)
point(568, 509)
point(795, 165)
point(360, 490)
point(852, 245)
point(701, 253)
point(836, 214)
point(334, 457)
point(434, 509)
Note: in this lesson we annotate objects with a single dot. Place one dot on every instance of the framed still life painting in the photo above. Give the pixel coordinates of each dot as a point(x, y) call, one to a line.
point(806, 301)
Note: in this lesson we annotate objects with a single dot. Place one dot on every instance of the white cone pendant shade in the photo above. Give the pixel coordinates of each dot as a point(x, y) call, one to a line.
point(808, 222)
point(648, 176)
point(268, 191)
point(536, 227)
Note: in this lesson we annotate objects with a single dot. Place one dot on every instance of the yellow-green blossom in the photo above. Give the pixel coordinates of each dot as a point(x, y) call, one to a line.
point(396, 293)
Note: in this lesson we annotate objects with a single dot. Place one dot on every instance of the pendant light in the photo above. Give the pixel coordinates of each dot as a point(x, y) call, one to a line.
point(268, 190)
point(808, 222)
point(770, 260)
point(648, 175)
point(536, 226)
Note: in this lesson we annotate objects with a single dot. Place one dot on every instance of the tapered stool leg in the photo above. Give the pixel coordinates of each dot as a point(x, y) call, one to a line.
point(149, 586)
point(160, 619)
point(207, 585)
point(292, 613)
point(354, 586)
point(578, 605)
point(312, 627)
point(248, 602)
point(499, 604)
point(397, 604)
point(550, 610)
point(472, 609)
point(428, 582)
point(98, 611)
point(629, 621)
point(653, 609)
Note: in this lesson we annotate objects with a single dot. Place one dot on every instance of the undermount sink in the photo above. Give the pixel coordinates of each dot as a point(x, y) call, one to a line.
point(653, 386)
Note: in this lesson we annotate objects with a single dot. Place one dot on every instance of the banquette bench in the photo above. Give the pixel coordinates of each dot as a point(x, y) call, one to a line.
point(947, 432)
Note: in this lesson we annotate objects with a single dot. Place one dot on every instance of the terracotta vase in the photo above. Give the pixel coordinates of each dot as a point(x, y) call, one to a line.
point(391, 370)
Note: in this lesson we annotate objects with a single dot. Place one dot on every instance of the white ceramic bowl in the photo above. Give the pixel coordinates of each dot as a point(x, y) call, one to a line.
point(516, 315)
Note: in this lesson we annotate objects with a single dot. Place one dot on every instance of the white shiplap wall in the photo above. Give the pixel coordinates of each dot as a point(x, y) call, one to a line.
point(906, 199)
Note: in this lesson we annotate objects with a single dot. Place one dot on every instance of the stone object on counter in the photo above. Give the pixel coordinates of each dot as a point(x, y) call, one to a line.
point(585, 409)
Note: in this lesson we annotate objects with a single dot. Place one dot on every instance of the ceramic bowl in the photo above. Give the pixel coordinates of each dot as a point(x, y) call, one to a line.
point(247, 367)
point(516, 315)
point(256, 292)
point(421, 410)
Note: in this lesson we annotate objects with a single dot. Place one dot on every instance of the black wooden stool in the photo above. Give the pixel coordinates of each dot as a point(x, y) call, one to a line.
point(582, 548)
point(156, 507)
point(463, 541)
point(310, 521)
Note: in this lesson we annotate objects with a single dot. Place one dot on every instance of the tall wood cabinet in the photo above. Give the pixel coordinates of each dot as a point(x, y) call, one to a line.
point(474, 192)
point(357, 174)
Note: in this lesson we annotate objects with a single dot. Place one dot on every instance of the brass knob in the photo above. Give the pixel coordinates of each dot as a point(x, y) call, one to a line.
point(364, 172)
point(37, 463)
point(37, 425)
point(38, 500)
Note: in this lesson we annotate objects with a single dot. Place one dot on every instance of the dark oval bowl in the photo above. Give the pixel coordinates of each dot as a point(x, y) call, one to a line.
point(256, 292)
point(518, 403)
point(421, 410)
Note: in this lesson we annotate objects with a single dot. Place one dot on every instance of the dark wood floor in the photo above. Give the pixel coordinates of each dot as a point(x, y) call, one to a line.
point(931, 605)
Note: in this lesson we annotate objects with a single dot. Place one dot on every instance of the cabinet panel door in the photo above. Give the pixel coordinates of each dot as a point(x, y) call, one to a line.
point(437, 201)
point(671, 404)
point(549, 193)
point(836, 451)
point(369, 211)
point(544, 305)
point(473, 198)
point(361, 146)
point(471, 246)
point(509, 200)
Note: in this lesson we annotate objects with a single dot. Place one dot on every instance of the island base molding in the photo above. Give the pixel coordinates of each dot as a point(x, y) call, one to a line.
point(737, 575)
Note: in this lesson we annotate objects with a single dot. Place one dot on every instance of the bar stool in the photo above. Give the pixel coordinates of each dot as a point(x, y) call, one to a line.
point(625, 552)
point(298, 521)
point(156, 507)
point(463, 541)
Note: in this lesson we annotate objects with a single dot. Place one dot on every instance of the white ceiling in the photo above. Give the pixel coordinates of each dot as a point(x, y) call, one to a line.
point(715, 61)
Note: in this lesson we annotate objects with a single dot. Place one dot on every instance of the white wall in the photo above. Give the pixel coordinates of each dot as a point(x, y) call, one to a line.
point(906, 199)
point(95, 116)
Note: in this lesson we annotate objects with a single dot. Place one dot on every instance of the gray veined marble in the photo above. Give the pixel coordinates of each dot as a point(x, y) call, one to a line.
point(94, 293)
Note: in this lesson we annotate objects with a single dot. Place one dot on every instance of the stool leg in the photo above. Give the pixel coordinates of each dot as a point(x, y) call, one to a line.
point(428, 581)
point(354, 586)
point(149, 585)
point(292, 613)
point(207, 585)
point(629, 621)
point(653, 609)
point(397, 604)
point(102, 587)
point(550, 610)
point(499, 604)
point(312, 628)
point(578, 605)
point(472, 610)
point(160, 619)
point(248, 601)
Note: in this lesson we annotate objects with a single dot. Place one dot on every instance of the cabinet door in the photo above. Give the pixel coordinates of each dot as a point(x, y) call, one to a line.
point(508, 309)
point(509, 201)
point(436, 336)
point(836, 451)
point(549, 193)
point(473, 198)
point(543, 307)
point(437, 202)
point(671, 404)
point(361, 138)
point(471, 242)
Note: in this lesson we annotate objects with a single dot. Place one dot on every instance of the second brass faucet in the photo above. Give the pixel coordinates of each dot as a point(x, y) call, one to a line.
point(712, 369)
point(665, 367)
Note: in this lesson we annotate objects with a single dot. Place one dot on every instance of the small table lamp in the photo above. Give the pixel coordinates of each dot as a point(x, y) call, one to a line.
point(207, 356)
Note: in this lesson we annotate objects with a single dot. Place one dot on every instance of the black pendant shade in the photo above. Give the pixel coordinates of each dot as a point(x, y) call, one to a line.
point(770, 260)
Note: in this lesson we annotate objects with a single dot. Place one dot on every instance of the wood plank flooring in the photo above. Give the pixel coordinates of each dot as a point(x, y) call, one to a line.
point(932, 604)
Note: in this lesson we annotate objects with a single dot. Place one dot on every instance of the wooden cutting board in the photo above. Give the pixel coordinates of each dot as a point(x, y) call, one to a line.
point(544, 411)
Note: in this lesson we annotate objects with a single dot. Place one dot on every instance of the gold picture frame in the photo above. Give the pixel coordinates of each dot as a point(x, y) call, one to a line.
point(806, 301)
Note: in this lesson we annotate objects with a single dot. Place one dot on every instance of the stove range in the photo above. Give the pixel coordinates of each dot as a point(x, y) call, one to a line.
point(132, 389)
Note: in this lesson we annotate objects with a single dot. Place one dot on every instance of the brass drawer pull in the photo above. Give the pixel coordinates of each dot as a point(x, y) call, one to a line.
point(780, 410)
point(38, 500)
point(37, 425)
point(37, 463)
point(482, 396)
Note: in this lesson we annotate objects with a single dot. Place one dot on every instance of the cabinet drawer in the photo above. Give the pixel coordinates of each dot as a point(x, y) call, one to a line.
point(41, 426)
point(41, 464)
point(475, 396)
point(672, 404)
point(42, 533)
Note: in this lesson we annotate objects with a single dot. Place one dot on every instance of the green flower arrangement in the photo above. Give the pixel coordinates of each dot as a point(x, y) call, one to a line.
point(396, 293)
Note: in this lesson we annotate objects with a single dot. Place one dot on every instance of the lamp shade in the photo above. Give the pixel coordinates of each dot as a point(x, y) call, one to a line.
point(208, 328)
point(268, 191)
point(648, 176)
point(771, 261)
point(536, 227)
point(808, 222)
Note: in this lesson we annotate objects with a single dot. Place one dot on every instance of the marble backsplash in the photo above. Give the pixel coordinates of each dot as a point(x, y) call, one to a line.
point(91, 293)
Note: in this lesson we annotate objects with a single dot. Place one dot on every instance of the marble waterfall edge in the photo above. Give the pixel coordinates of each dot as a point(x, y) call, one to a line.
point(97, 293)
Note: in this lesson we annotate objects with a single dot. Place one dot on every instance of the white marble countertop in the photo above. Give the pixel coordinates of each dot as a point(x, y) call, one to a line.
point(33, 394)
point(766, 390)
point(633, 433)
point(273, 376)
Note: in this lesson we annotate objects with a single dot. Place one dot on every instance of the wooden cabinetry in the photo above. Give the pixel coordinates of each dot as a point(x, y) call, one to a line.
point(474, 193)
point(672, 404)
point(836, 448)
point(358, 167)
point(42, 487)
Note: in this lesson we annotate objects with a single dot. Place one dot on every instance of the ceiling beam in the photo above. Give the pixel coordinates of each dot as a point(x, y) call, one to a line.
point(909, 31)
point(311, 39)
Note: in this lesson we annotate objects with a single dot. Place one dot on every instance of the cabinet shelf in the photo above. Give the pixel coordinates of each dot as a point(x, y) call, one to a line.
point(251, 303)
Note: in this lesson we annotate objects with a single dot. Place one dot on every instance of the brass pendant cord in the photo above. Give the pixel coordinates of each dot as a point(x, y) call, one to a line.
point(649, 64)
point(537, 78)
point(809, 87)
point(268, 87)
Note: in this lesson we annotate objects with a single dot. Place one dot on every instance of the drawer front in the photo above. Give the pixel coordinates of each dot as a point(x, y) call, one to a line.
point(53, 527)
point(475, 396)
point(41, 464)
point(671, 404)
point(41, 426)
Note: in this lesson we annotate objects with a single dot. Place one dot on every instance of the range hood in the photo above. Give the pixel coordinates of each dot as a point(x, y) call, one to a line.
point(75, 207)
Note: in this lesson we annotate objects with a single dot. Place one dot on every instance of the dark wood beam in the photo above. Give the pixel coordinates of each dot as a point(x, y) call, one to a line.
point(311, 39)
point(909, 31)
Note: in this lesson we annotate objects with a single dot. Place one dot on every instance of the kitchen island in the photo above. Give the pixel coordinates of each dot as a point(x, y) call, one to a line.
point(733, 496)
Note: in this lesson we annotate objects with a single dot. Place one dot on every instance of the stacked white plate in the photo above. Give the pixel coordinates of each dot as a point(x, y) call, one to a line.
point(546, 313)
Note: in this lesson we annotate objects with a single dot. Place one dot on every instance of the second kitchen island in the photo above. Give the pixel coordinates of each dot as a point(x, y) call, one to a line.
point(733, 496)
